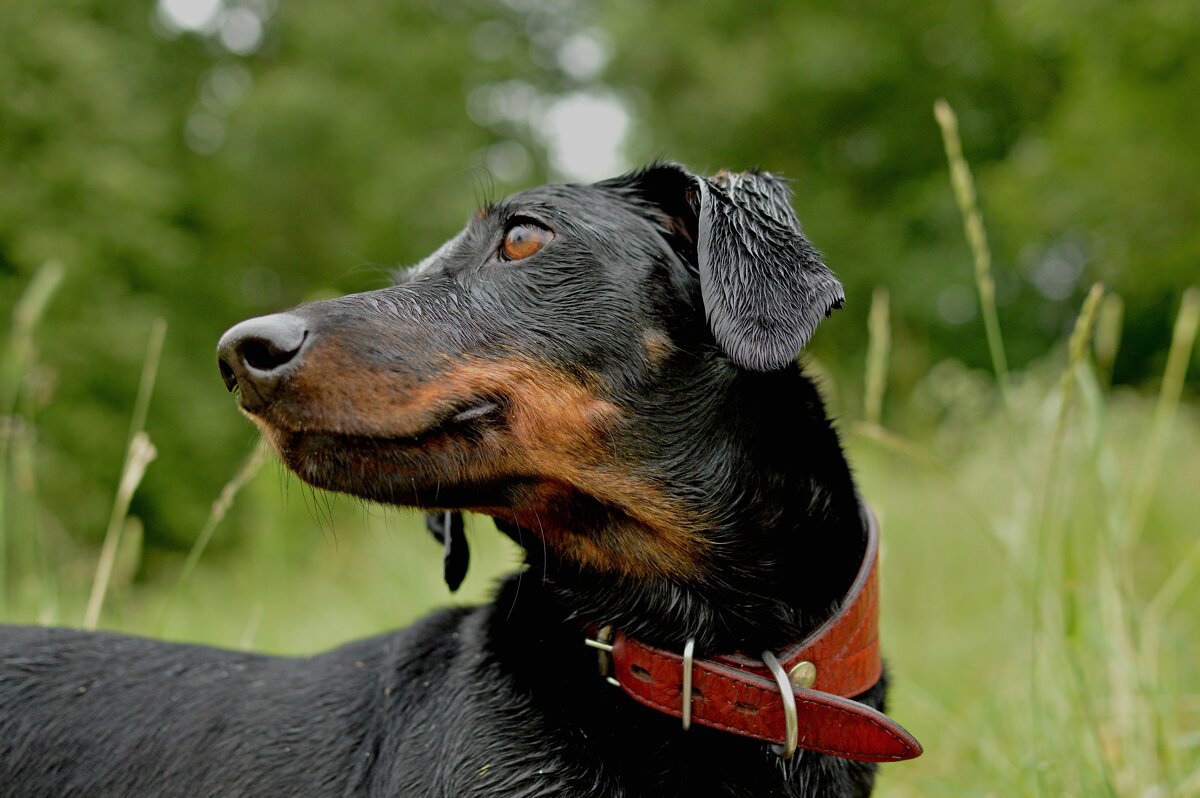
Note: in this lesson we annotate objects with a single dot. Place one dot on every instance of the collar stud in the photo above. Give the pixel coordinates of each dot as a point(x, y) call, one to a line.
point(803, 675)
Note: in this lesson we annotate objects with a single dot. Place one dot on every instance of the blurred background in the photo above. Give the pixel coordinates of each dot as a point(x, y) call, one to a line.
point(169, 168)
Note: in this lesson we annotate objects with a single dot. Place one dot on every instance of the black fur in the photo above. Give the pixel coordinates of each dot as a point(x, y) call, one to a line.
point(673, 303)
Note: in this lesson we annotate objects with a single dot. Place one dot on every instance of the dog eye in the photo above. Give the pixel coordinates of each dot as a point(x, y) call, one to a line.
point(522, 240)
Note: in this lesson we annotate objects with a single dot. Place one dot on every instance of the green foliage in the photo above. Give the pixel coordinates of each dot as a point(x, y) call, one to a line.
point(176, 180)
point(1034, 652)
point(1077, 118)
point(1029, 651)
point(1036, 560)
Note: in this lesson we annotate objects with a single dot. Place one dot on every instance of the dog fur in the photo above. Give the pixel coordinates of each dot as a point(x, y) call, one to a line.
point(624, 401)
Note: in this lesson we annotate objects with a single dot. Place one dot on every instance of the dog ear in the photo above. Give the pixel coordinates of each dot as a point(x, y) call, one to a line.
point(669, 195)
point(448, 529)
point(763, 284)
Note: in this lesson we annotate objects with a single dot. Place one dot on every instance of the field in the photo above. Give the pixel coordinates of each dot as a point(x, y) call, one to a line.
point(1040, 560)
point(1040, 552)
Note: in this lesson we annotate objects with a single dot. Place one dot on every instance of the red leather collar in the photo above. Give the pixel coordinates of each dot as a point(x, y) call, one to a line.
point(739, 694)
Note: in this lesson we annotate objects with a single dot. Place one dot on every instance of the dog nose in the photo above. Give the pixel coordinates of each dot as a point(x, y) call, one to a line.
point(255, 354)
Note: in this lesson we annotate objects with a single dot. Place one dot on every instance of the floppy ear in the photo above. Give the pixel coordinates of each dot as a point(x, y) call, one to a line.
point(764, 286)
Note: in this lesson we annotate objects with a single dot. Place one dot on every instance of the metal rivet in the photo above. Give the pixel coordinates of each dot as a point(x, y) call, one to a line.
point(803, 675)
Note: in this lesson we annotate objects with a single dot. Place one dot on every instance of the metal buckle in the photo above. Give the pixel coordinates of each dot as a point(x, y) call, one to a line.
point(685, 694)
point(603, 645)
point(792, 734)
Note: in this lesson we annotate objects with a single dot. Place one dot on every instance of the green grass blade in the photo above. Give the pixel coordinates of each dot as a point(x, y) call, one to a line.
point(27, 314)
point(964, 194)
point(249, 468)
point(1108, 334)
point(1182, 339)
point(138, 455)
point(879, 346)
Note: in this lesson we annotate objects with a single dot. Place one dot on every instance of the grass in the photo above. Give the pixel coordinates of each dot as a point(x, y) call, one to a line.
point(964, 193)
point(1040, 558)
point(16, 435)
point(1029, 657)
point(139, 453)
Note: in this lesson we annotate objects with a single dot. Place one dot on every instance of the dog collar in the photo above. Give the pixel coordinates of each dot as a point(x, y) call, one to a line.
point(800, 698)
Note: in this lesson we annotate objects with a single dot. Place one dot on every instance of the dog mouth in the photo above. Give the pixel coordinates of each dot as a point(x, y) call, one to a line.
point(463, 435)
point(411, 468)
point(461, 419)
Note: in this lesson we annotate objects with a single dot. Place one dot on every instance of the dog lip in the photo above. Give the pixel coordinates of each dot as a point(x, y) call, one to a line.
point(464, 415)
point(475, 411)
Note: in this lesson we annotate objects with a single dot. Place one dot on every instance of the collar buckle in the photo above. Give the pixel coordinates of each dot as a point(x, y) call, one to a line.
point(602, 642)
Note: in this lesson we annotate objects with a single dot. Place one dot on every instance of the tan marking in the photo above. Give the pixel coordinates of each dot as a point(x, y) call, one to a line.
point(557, 436)
point(658, 347)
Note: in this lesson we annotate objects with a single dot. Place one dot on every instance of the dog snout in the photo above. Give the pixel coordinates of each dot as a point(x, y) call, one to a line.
point(256, 354)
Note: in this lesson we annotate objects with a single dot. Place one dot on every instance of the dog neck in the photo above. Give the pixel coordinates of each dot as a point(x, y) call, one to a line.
point(784, 534)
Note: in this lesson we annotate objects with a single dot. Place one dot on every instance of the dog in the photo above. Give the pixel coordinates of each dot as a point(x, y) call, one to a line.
point(609, 371)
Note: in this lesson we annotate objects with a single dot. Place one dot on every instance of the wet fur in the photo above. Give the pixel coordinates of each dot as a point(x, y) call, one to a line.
point(626, 405)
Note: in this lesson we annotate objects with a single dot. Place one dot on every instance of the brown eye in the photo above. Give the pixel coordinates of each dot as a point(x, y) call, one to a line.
point(523, 240)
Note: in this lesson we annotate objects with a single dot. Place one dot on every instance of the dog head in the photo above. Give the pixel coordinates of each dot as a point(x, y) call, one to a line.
point(570, 363)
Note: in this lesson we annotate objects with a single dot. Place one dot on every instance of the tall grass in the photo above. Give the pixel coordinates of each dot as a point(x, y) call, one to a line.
point(964, 193)
point(1037, 653)
point(1164, 414)
point(16, 431)
point(878, 350)
point(220, 508)
point(1041, 557)
point(139, 453)
point(1073, 686)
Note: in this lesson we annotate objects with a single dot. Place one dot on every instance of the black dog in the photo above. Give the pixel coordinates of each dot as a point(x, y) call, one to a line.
point(609, 372)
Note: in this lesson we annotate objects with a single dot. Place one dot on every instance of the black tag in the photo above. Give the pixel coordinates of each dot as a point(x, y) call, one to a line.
point(448, 528)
